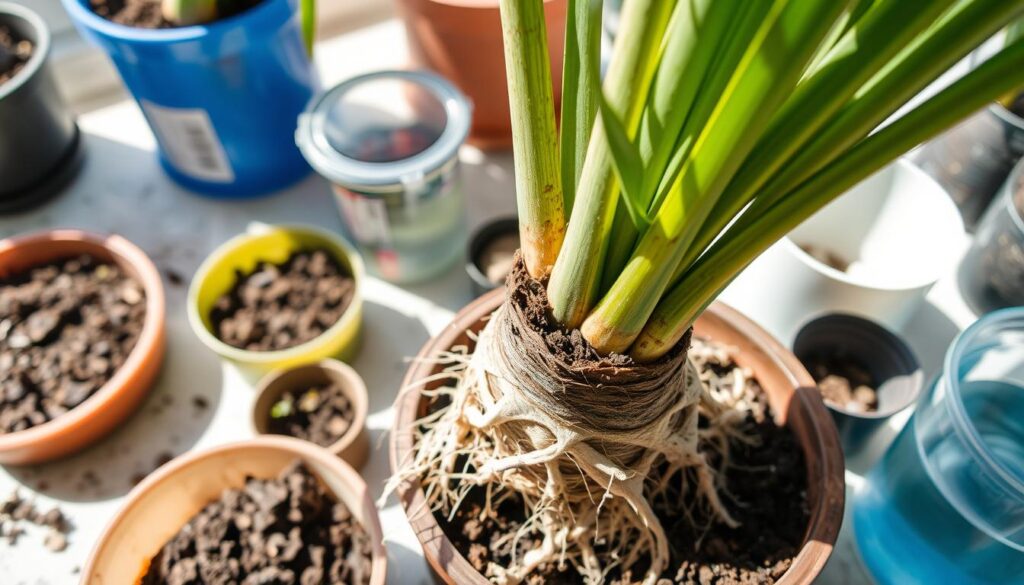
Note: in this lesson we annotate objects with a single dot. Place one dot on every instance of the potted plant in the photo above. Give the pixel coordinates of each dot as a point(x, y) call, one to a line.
point(39, 145)
point(573, 440)
point(220, 83)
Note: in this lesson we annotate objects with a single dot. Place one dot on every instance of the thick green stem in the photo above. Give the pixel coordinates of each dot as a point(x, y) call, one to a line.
point(534, 134)
point(731, 254)
point(580, 86)
point(575, 280)
point(763, 80)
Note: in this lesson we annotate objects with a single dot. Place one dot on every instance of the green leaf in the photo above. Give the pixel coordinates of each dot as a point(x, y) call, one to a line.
point(308, 15)
point(580, 76)
point(627, 163)
point(281, 409)
point(189, 12)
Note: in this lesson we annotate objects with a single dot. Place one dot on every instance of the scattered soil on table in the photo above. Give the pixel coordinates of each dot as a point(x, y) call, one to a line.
point(147, 13)
point(321, 415)
point(279, 306)
point(17, 512)
point(826, 257)
point(284, 530)
point(65, 329)
point(765, 489)
point(497, 257)
point(844, 382)
point(14, 53)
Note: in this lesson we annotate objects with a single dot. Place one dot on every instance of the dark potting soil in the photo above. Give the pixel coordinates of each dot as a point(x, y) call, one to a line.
point(826, 257)
point(65, 329)
point(844, 382)
point(14, 53)
point(147, 13)
point(766, 485)
point(278, 306)
point(16, 512)
point(284, 530)
point(321, 415)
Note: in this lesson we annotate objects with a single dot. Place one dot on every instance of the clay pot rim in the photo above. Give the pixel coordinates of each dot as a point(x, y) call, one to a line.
point(826, 514)
point(149, 346)
point(301, 449)
point(274, 384)
point(257, 358)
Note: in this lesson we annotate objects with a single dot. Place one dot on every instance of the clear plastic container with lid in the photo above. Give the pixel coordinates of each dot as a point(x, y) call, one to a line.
point(388, 142)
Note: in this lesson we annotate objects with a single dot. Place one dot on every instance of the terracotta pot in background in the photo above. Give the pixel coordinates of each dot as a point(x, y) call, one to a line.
point(102, 412)
point(166, 500)
point(461, 40)
point(354, 445)
point(791, 392)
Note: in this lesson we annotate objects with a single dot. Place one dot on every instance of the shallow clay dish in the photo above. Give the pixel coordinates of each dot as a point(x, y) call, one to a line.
point(354, 445)
point(791, 391)
point(121, 395)
point(268, 243)
point(166, 500)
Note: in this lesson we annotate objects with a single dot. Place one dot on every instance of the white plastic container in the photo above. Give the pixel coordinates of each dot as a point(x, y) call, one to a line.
point(898, 230)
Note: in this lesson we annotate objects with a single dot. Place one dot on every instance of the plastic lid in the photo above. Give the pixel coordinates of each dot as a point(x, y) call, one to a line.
point(384, 129)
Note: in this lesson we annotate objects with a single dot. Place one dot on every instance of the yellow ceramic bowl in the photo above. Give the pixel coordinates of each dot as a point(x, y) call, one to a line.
point(275, 244)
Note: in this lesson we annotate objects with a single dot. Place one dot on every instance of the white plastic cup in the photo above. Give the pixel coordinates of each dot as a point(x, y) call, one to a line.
point(898, 229)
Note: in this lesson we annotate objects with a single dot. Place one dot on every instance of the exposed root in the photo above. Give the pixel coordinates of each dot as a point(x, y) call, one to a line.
point(579, 444)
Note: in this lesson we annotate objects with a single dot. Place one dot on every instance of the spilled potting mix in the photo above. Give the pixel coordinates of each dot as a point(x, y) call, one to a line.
point(288, 529)
point(147, 13)
point(14, 53)
point(65, 329)
point(321, 414)
point(278, 306)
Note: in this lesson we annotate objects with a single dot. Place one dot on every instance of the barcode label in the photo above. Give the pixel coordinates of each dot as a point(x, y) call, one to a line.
point(190, 142)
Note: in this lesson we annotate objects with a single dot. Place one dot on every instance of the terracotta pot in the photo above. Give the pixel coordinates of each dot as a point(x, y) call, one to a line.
point(166, 500)
point(121, 395)
point(354, 445)
point(791, 392)
point(461, 40)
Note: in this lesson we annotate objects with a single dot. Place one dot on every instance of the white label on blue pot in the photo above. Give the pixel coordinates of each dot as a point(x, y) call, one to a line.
point(191, 144)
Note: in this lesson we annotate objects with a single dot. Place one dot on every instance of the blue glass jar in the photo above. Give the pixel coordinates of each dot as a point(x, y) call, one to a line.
point(946, 502)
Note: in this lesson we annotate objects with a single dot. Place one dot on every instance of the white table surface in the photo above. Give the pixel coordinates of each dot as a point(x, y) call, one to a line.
point(122, 190)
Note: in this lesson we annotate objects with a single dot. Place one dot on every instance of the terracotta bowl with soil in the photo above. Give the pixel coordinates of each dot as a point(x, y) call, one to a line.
point(304, 518)
point(279, 296)
point(324, 403)
point(792, 401)
point(82, 331)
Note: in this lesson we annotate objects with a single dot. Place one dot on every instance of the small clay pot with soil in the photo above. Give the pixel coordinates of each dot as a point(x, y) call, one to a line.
point(788, 519)
point(272, 509)
point(491, 254)
point(81, 340)
point(40, 141)
point(324, 403)
point(865, 373)
point(279, 297)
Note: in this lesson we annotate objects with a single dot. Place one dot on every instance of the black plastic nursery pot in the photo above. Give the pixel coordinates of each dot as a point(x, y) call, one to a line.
point(39, 141)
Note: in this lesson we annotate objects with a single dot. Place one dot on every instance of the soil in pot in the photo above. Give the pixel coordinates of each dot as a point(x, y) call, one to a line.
point(65, 329)
point(321, 414)
point(826, 257)
point(15, 52)
point(147, 13)
point(844, 382)
point(278, 306)
point(772, 507)
point(289, 529)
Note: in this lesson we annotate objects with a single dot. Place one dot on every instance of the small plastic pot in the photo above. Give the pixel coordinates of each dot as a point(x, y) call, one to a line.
point(105, 410)
point(478, 243)
point(166, 500)
point(887, 358)
point(265, 243)
point(222, 99)
point(993, 269)
point(354, 445)
point(39, 143)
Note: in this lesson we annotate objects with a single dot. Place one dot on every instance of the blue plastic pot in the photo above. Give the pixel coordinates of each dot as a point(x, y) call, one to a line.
point(222, 99)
